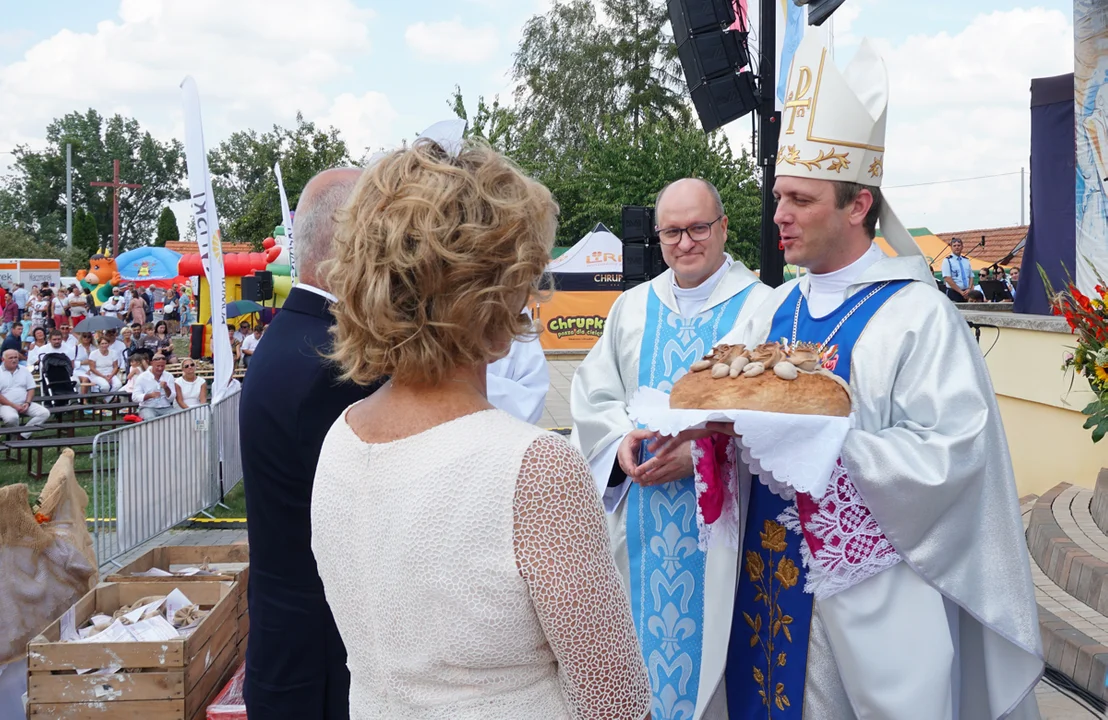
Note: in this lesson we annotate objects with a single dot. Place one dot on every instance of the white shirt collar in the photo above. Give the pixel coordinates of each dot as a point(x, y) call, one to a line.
point(690, 300)
point(317, 291)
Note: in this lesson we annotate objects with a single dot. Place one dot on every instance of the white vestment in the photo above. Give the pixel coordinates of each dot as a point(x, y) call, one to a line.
point(929, 458)
point(519, 381)
point(602, 388)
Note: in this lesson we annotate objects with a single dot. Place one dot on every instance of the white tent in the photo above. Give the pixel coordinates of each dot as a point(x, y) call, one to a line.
point(599, 252)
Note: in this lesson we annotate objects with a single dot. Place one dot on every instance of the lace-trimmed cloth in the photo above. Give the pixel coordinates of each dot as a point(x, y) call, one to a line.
point(476, 581)
point(843, 544)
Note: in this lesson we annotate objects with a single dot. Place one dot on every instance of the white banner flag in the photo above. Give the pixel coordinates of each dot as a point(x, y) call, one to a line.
point(286, 218)
point(202, 205)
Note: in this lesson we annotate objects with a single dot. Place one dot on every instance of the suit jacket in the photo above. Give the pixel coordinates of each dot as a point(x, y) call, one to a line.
point(290, 398)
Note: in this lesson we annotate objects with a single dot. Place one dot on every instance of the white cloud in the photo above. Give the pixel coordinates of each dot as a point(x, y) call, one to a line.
point(256, 62)
point(451, 41)
point(960, 107)
point(366, 121)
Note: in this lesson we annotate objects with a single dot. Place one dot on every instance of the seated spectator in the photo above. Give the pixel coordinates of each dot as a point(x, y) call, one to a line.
point(975, 296)
point(154, 391)
point(236, 346)
point(192, 391)
point(148, 340)
point(163, 341)
point(14, 340)
point(35, 346)
point(17, 387)
point(250, 344)
point(243, 332)
point(138, 364)
point(85, 349)
point(103, 367)
point(54, 346)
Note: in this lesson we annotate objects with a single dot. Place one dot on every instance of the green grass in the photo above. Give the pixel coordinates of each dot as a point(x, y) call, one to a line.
point(13, 472)
point(235, 502)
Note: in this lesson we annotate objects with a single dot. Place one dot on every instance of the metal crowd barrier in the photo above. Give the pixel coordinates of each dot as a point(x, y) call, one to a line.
point(153, 475)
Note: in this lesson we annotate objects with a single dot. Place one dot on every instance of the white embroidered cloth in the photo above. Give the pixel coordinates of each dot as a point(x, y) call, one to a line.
point(799, 451)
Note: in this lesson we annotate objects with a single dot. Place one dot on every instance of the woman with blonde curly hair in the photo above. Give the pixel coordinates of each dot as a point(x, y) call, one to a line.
point(474, 579)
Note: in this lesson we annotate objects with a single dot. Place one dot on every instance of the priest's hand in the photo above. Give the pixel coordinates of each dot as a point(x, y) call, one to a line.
point(663, 447)
point(677, 464)
point(628, 452)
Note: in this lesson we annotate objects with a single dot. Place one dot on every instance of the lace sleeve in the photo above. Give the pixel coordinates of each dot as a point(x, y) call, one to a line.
point(563, 553)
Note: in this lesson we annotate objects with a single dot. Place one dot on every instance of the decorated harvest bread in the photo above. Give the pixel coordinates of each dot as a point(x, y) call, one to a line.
point(772, 377)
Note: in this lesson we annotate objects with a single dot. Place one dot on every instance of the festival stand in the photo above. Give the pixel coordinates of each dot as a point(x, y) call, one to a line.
point(587, 279)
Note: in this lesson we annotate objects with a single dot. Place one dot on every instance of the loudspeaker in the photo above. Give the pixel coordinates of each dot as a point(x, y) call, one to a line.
point(249, 287)
point(636, 261)
point(712, 55)
point(657, 262)
point(637, 224)
point(691, 17)
point(724, 99)
point(197, 335)
point(265, 285)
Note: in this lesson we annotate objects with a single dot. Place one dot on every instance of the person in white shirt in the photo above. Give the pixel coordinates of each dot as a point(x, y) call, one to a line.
point(69, 341)
point(59, 307)
point(192, 391)
point(53, 346)
point(117, 346)
point(76, 305)
point(114, 305)
point(17, 387)
point(243, 332)
point(250, 344)
point(154, 390)
point(20, 296)
point(103, 367)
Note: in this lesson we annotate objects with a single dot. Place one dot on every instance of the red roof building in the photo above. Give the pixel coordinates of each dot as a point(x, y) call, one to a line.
point(999, 243)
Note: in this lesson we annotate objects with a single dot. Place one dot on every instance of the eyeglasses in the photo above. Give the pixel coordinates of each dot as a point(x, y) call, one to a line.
point(698, 232)
point(186, 367)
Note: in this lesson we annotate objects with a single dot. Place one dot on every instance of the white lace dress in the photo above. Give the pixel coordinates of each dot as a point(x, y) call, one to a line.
point(469, 572)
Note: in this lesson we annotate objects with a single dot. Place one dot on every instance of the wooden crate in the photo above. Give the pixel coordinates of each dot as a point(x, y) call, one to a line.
point(169, 556)
point(169, 680)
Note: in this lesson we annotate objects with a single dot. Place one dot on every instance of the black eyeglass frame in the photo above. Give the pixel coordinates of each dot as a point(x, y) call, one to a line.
point(681, 232)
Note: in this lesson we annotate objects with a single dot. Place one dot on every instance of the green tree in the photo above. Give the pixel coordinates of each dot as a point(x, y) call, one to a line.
point(15, 243)
point(37, 187)
point(167, 228)
point(243, 181)
point(85, 237)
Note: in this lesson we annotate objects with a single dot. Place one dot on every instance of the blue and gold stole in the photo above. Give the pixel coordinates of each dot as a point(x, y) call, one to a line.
point(666, 564)
point(768, 652)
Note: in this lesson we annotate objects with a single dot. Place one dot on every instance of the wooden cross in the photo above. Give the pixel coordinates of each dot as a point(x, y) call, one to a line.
point(115, 185)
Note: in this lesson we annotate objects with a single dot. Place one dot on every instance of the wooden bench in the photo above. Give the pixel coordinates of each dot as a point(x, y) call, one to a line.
point(60, 426)
point(36, 446)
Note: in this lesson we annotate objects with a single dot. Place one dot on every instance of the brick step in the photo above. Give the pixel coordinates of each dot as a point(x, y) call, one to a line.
point(1098, 508)
point(1074, 633)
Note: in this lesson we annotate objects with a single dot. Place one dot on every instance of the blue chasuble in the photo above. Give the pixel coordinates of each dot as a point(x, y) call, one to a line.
point(768, 653)
point(666, 564)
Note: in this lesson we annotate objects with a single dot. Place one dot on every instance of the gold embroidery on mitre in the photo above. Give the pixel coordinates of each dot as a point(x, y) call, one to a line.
point(839, 161)
point(813, 106)
point(797, 102)
point(875, 168)
point(787, 576)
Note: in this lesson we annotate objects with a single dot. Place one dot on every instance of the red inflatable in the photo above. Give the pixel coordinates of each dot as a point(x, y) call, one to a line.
point(234, 264)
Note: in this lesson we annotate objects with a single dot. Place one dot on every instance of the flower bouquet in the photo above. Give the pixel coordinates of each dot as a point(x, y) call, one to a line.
point(1088, 320)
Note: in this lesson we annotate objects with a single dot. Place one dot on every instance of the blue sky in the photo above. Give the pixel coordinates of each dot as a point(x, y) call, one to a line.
point(381, 71)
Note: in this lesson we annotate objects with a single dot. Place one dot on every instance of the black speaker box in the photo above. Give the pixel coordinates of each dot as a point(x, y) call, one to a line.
point(249, 287)
point(196, 341)
point(637, 224)
point(713, 55)
point(724, 99)
point(636, 261)
point(690, 17)
point(265, 285)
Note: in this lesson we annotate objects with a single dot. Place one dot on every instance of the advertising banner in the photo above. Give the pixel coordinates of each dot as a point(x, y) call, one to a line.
point(573, 320)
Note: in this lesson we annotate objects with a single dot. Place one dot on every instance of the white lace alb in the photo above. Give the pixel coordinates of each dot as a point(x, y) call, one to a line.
point(851, 546)
point(470, 575)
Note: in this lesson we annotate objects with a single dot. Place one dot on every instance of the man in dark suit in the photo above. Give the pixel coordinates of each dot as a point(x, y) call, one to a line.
point(295, 659)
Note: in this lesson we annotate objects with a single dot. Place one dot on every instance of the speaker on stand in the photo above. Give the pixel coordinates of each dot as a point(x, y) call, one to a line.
point(642, 255)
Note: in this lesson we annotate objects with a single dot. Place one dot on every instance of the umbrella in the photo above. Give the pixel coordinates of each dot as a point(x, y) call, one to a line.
point(237, 308)
point(96, 323)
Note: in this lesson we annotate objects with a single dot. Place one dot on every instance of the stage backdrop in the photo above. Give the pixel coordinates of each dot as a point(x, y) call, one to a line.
point(1090, 27)
point(1050, 242)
